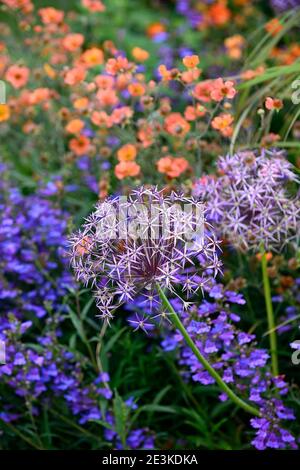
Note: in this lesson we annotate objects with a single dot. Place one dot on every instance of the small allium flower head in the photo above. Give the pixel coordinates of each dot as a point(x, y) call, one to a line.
point(250, 202)
point(128, 244)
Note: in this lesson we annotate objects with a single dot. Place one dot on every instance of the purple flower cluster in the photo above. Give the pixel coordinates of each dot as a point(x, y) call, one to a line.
point(40, 370)
point(127, 245)
point(190, 11)
point(235, 355)
point(284, 5)
point(250, 203)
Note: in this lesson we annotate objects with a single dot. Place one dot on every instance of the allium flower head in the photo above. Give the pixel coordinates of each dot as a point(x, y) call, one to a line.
point(250, 201)
point(128, 244)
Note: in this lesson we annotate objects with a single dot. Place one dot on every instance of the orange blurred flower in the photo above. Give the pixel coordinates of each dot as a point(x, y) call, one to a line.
point(75, 76)
point(155, 28)
point(75, 126)
point(95, 6)
point(17, 75)
point(51, 15)
point(81, 103)
point(273, 27)
point(115, 66)
point(221, 90)
point(202, 91)
point(223, 124)
point(191, 113)
point(176, 125)
point(73, 41)
point(219, 14)
point(136, 89)
point(104, 81)
point(190, 61)
point(92, 57)
point(273, 103)
point(172, 166)
point(126, 169)
point(127, 153)
point(139, 54)
point(4, 112)
point(107, 97)
point(79, 145)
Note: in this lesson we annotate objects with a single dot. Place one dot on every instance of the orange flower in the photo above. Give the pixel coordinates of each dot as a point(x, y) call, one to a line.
point(234, 45)
point(203, 90)
point(125, 169)
point(190, 61)
point(104, 81)
point(273, 27)
point(222, 90)
point(176, 125)
point(50, 72)
point(79, 145)
point(249, 74)
point(139, 54)
point(223, 123)
point(191, 113)
point(122, 114)
point(72, 42)
point(75, 126)
point(95, 6)
point(165, 73)
point(75, 75)
point(51, 15)
point(101, 119)
point(17, 75)
point(171, 166)
point(92, 57)
point(115, 66)
point(4, 112)
point(107, 97)
point(136, 89)
point(273, 103)
point(39, 95)
point(127, 153)
point(191, 75)
point(155, 28)
point(81, 103)
point(219, 14)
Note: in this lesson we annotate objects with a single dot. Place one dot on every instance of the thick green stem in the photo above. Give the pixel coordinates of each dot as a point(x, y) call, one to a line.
point(179, 325)
point(270, 314)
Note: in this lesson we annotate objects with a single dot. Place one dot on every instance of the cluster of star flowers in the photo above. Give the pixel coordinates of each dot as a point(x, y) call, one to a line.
point(213, 326)
point(249, 200)
point(129, 244)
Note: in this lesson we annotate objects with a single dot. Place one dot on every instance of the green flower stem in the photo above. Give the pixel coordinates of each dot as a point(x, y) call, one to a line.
point(179, 325)
point(270, 314)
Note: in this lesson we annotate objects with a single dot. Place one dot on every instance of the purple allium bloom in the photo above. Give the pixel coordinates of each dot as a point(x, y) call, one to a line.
point(127, 245)
point(250, 203)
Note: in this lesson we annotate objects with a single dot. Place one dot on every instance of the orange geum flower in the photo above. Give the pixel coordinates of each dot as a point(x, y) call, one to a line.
point(139, 54)
point(223, 124)
point(95, 6)
point(115, 66)
point(79, 145)
point(17, 75)
point(202, 91)
point(92, 57)
point(4, 112)
point(122, 114)
point(51, 15)
point(101, 119)
point(75, 126)
point(190, 61)
point(136, 89)
point(127, 153)
point(155, 28)
point(75, 76)
point(273, 27)
point(81, 103)
point(73, 41)
point(172, 166)
point(126, 169)
point(191, 113)
point(219, 14)
point(165, 73)
point(107, 97)
point(176, 125)
point(273, 103)
point(104, 81)
point(191, 75)
point(221, 90)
